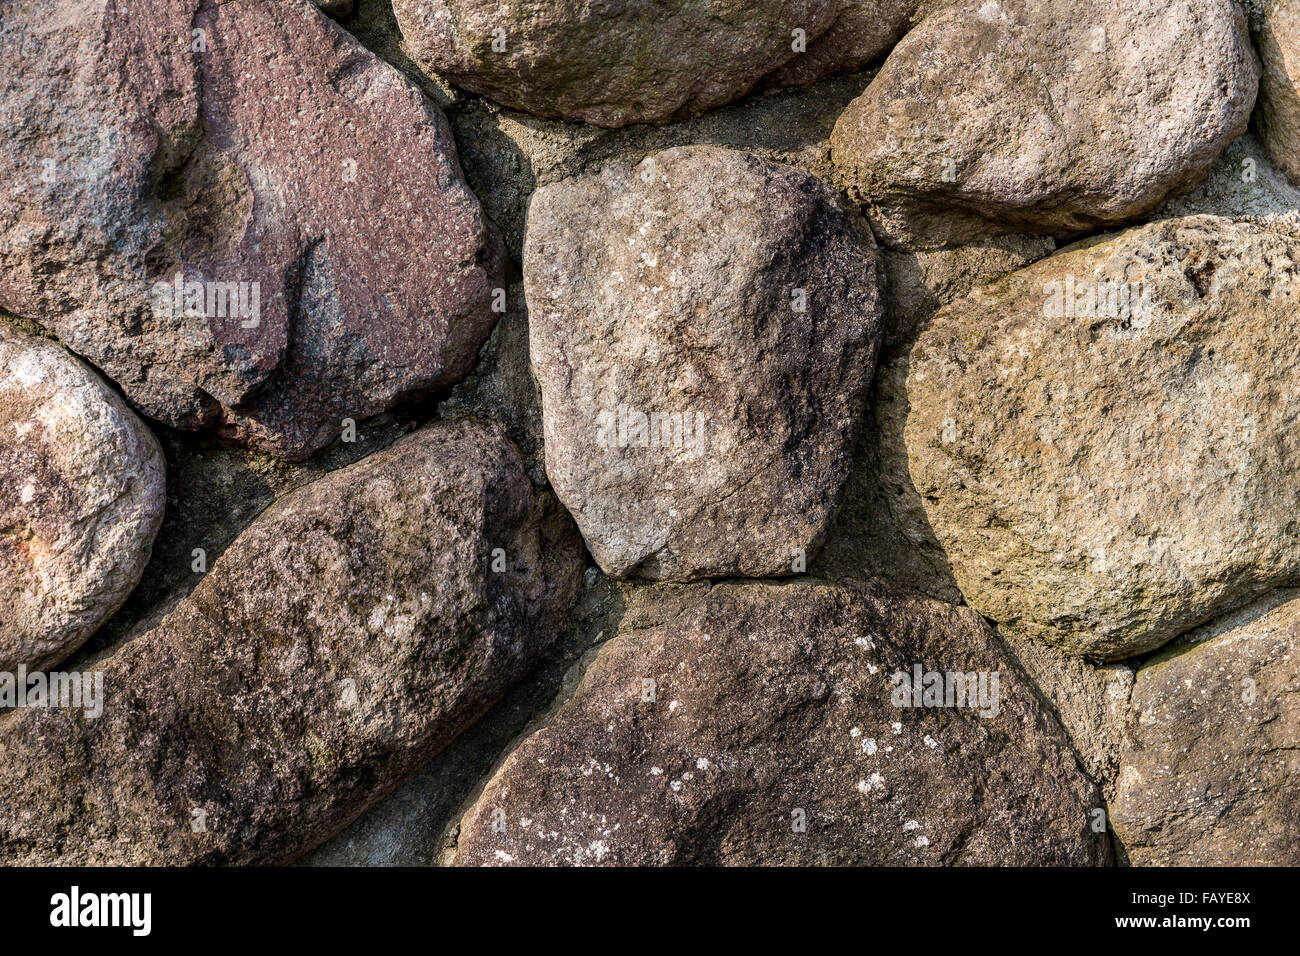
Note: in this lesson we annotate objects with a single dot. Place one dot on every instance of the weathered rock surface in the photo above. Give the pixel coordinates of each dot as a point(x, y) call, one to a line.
point(642, 62)
point(703, 327)
point(1091, 701)
point(345, 637)
point(1210, 774)
point(1049, 116)
point(508, 155)
point(1277, 117)
point(880, 532)
point(414, 825)
point(720, 720)
point(1105, 480)
point(1243, 183)
point(252, 143)
point(84, 492)
point(214, 491)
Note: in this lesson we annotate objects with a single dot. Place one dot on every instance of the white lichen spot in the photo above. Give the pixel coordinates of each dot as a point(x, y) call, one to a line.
point(874, 782)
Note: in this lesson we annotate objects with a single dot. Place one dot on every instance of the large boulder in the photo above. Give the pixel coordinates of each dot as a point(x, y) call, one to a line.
point(1210, 773)
point(84, 491)
point(1277, 37)
point(642, 61)
point(345, 637)
point(258, 224)
point(703, 327)
point(1104, 443)
point(763, 724)
point(1049, 116)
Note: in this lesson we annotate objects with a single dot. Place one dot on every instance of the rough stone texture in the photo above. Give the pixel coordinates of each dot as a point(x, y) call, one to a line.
point(880, 532)
point(214, 491)
point(1105, 483)
point(83, 496)
point(1243, 183)
point(415, 826)
point(673, 287)
point(1091, 701)
point(641, 61)
point(998, 116)
point(508, 155)
point(236, 703)
point(771, 698)
point(1277, 38)
point(1210, 773)
point(283, 154)
point(880, 536)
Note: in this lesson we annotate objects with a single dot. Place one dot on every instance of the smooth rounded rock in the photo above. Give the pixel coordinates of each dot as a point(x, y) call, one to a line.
point(1047, 116)
point(83, 496)
point(641, 61)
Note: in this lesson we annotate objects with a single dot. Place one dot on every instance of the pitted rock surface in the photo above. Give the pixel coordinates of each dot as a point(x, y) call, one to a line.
point(352, 631)
point(1048, 116)
point(243, 146)
point(756, 724)
point(1104, 443)
point(1210, 773)
point(703, 327)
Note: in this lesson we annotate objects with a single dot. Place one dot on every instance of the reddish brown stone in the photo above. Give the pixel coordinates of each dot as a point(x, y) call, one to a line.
point(236, 142)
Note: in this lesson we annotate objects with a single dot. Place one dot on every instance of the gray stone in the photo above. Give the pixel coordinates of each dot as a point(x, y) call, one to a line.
point(1048, 116)
point(1210, 774)
point(352, 631)
point(703, 327)
point(756, 724)
point(1091, 701)
point(642, 61)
